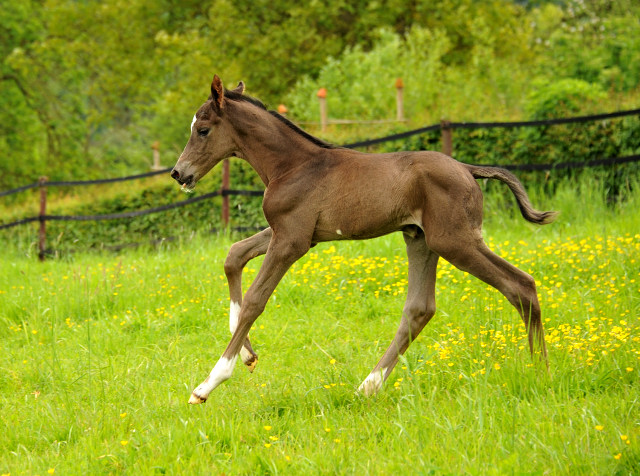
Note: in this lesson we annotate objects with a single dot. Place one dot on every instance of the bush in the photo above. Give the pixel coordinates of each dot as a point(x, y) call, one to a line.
point(562, 98)
point(581, 142)
point(203, 216)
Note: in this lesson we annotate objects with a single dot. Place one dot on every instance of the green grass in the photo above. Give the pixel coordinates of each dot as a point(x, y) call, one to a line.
point(99, 353)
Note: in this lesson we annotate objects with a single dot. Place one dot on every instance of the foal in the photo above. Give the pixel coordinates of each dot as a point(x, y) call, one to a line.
point(316, 192)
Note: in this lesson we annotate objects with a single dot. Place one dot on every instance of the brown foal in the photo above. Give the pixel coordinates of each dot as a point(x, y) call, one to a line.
point(316, 192)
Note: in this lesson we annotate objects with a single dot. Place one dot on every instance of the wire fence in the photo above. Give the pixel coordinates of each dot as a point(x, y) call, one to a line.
point(445, 127)
point(80, 183)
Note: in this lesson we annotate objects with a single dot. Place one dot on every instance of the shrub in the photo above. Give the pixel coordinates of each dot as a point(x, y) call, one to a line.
point(562, 98)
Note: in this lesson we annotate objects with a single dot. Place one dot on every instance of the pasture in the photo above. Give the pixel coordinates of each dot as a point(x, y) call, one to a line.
point(99, 353)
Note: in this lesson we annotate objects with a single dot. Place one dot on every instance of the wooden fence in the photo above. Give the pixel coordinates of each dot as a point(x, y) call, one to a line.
point(446, 130)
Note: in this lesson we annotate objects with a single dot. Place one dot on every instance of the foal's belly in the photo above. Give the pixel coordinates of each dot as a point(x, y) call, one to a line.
point(368, 216)
point(373, 199)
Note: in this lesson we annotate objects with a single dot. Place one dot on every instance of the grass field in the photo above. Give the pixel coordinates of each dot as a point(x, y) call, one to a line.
point(99, 353)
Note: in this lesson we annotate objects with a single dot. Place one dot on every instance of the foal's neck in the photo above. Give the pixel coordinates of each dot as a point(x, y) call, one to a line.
point(269, 145)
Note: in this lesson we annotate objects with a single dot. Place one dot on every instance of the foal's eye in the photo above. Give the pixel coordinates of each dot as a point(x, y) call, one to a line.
point(203, 132)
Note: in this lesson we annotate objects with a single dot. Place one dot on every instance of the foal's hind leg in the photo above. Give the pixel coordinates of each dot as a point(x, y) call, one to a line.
point(418, 310)
point(473, 255)
point(239, 255)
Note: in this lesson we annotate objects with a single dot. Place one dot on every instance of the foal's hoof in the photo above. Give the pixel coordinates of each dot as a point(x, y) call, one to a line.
point(195, 400)
point(368, 388)
point(250, 359)
point(252, 364)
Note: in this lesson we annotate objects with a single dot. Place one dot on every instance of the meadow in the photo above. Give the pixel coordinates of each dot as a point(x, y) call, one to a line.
point(99, 354)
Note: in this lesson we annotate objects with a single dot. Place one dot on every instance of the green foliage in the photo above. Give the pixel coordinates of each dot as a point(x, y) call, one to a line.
point(87, 87)
point(198, 218)
point(577, 143)
point(85, 104)
point(562, 98)
point(476, 62)
point(361, 83)
point(599, 42)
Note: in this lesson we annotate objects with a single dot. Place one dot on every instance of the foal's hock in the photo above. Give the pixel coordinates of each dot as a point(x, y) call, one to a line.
point(317, 192)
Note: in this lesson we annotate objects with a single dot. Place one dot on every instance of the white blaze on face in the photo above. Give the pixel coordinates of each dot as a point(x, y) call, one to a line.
point(193, 122)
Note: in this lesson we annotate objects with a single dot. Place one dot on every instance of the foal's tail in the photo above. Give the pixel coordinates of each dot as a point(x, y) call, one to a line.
point(527, 210)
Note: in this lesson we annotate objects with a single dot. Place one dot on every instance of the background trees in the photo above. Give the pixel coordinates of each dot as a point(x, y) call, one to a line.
point(86, 87)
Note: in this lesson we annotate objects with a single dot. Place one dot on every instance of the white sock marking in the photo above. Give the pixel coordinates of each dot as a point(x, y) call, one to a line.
point(245, 355)
point(373, 383)
point(234, 313)
point(221, 372)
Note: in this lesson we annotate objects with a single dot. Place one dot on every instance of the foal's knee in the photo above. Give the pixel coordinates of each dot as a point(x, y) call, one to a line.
point(252, 307)
point(234, 262)
point(419, 309)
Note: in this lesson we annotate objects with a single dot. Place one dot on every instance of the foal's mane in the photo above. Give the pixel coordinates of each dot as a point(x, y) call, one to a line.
point(236, 96)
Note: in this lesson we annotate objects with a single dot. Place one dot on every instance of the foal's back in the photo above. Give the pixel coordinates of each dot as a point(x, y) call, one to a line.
point(359, 196)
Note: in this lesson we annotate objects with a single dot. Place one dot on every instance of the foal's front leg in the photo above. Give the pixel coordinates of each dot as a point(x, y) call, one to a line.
point(281, 254)
point(239, 255)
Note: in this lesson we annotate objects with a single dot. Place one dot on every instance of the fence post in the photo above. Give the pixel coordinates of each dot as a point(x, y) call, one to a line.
point(282, 109)
point(42, 235)
point(447, 137)
point(322, 98)
point(156, 156)
point(225, 196)
point(399, 99)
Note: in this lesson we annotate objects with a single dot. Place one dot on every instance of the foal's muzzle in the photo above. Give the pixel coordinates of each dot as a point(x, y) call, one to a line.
point(181, 179)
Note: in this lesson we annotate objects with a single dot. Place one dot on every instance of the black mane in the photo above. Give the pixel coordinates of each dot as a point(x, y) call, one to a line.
point(235, 96)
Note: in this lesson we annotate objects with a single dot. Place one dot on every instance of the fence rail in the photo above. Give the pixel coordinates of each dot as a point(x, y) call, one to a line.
point(445, 127)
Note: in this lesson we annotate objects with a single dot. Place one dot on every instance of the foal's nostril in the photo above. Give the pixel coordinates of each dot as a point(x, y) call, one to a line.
point(175, 174)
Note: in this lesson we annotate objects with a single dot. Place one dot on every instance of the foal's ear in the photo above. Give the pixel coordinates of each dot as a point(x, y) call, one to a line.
point(217, 92)
point(239, 88)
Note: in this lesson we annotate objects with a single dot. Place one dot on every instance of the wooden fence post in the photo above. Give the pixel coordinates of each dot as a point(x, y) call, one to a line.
point(225, 197)
point(322, 98)
point(42, 235)
point(447, 137)
point(399, 99)
point(156, 156)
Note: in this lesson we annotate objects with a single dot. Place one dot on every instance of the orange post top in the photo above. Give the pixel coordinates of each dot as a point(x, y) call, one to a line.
point(282, 109)
point(399, 83)
point(322, 93)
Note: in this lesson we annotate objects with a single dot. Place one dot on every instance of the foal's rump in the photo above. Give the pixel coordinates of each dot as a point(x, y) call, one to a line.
point(375, 194)
point(453, 177)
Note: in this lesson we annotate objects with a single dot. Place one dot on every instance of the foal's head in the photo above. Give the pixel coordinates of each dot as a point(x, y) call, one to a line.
point(211, 138)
